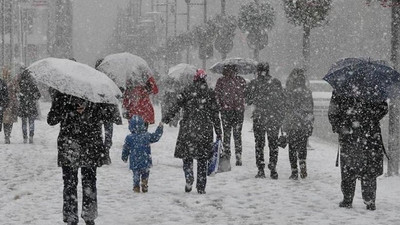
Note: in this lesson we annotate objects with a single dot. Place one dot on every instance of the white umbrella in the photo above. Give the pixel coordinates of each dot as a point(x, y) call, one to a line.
point(244, 65)
point(123, 66)
point(77, 79)
point(183, 73)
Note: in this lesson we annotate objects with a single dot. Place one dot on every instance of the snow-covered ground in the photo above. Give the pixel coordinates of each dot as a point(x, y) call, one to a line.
point(31, 188)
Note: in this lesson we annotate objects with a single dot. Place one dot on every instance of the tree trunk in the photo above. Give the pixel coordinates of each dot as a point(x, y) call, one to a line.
point(63, 34)
point(394, 120)
point(306, 48)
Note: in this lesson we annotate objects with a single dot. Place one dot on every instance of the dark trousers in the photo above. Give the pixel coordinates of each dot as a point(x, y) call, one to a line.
point(201, 172)
point(138, 175)
point(70, 194)
point(7, 129)
point(272, 130)
point(368, 187)
point(25, 122)
point(297, 140)
point(232, 121)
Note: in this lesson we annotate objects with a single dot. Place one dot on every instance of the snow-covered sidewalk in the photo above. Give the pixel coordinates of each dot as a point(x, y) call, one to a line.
point(31, 187)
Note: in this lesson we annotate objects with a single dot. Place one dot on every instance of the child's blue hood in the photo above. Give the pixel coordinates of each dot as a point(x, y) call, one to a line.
point(136, 125)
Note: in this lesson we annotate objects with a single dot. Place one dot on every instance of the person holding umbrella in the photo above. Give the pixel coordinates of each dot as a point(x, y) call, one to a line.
point(267, 96)
point(358, 103)
point(195, 137)
point(229, 91)
point(136, 100)
point(78, 93)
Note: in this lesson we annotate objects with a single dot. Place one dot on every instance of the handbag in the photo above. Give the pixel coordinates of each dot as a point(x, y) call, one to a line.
point(213, 163)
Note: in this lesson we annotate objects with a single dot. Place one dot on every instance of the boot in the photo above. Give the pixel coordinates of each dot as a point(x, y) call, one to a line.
point(72, 223)
point(346, 204)
point(294, 175)
point(136, 189)
point(238, 160)
point(201, 191)
point(90, 222)
point(31, 140)
point(370, 205)
point(273, 174)
point(145, 188)
point(188, 187)
point(260, 173)
point(25, 140)
point(303, 169)
point(7, 140)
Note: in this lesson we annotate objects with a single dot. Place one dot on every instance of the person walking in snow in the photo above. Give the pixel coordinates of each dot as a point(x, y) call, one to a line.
point(267, 96)
point(361, 147)
point(80, 145)
point(298, 123)
point(230, 96)
point(195, 137)
point(137, 98)
point(28, 111)
point(137, 148)
point(10, 115)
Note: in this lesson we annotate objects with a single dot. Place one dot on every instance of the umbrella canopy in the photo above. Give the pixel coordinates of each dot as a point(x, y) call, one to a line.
point(182, 73)
point(77, 79)
point(244, 65)
point(121, 67)
point(362, 78)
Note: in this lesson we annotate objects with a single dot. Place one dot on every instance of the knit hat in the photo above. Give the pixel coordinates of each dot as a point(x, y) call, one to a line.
point(200, 74)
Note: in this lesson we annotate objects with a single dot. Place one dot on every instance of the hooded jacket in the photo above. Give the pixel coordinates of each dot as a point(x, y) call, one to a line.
point(137, 144)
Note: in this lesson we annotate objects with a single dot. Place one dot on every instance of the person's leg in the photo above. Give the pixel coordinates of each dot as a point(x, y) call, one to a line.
point(201, 176)
point(368, 189)
point(237, 135)
point(259, 136)
point(7, 132)
point(145, 180)
point(89, 194)
point(293, 155)
point(227, 129)
point(188, 172)
point(24, 121)
point(302, 153)
point(31, 121)
point(273, 135)
point(136, 180)
point(70, 195)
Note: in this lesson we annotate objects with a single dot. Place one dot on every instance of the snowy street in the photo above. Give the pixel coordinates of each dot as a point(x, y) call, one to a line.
point(31, 187)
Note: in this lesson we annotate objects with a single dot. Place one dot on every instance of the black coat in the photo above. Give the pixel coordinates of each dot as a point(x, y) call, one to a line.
point(80, 141)
point(360, 138)
point(28, 96)
point(4, 99)
point(267, 95)
point(200, 116)
point(299, 111)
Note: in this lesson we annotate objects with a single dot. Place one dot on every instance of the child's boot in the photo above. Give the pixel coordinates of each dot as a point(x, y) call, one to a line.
point(145, 188)
point(136, 189)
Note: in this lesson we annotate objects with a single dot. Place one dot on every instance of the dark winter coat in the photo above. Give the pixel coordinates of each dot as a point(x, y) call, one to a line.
point(299, 111)
point(80, 141)
point(28, 96)
point(267, 95)
point(230, 92)
point(357, 123)
point(200, 116)
point(137, 144)
point(3, 100)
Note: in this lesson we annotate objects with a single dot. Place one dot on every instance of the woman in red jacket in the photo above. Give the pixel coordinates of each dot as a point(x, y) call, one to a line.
point(137, 99)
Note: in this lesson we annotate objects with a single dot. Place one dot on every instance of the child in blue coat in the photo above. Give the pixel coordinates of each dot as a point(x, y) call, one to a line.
point(137, 147)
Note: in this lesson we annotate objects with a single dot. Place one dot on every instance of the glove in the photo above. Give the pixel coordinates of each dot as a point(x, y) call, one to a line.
point(219, 137)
